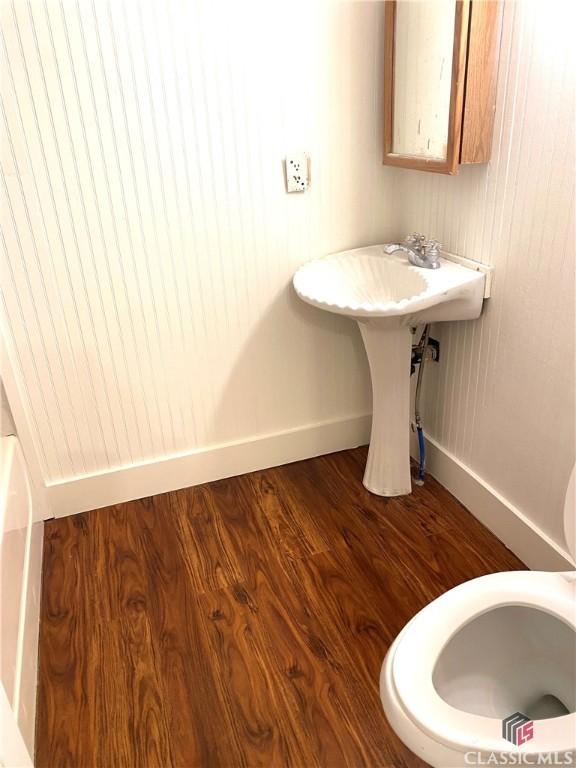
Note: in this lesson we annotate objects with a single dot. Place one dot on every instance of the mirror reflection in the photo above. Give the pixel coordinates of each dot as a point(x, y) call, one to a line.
point(424, 41)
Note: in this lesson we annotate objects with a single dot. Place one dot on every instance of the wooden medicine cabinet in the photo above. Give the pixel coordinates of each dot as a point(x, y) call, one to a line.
point(440, 72)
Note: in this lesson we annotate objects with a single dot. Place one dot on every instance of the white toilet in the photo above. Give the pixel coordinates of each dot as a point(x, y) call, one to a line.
point(488, 649)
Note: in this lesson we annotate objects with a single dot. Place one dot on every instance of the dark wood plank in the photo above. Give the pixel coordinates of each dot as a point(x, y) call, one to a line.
point(250, 687)
point(200, 732)
point(63, 669)
point(144, 733)
point(208, 554)
point(295, 531)
point(328, 699)
point(244, 622)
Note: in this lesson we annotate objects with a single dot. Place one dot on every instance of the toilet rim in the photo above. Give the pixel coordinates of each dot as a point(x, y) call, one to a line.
point(414, 661)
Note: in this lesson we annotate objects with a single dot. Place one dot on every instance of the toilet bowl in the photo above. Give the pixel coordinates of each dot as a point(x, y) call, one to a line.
point(493, 647)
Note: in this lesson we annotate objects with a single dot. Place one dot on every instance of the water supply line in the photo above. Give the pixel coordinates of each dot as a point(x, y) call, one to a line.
point(423, 344)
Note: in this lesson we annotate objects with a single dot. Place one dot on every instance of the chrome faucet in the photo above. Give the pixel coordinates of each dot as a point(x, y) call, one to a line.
point(420, 252)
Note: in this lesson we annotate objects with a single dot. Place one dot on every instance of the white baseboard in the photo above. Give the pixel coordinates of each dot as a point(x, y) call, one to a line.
point(114, 486)
point(507, 522)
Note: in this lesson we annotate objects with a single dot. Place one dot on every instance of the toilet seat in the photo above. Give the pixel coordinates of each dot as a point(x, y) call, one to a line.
point(420, 644)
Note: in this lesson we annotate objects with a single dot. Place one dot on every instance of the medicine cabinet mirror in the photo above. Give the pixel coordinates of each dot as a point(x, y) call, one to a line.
point(441, 66)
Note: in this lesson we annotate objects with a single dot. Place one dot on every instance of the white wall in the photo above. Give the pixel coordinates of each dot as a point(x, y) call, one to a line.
point(502, 399)
point(149, 242)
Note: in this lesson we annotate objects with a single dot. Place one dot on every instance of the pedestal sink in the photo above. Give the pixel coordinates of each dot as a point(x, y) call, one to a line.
point(387, 296)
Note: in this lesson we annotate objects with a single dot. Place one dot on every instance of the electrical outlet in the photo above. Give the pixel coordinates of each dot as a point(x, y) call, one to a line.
point(297, 172)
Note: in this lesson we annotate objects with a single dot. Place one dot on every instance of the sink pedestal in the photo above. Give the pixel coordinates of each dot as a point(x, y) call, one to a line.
point(389, 349)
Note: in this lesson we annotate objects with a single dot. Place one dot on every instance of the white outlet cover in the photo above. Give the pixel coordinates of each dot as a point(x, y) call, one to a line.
point(297, 172)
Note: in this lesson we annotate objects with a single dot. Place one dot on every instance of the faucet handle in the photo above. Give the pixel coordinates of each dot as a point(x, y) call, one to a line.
point(415, 239)
point(432, 248)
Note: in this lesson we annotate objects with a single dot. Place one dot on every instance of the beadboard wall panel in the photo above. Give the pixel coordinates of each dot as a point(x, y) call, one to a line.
point(502, 398)
point(148, 240)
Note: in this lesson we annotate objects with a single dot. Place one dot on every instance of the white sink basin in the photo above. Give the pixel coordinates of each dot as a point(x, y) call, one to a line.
point(387, 296)
point(367, 282)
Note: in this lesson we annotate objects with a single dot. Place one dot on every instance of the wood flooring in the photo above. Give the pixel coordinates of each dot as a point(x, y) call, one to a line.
point(242, 623)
